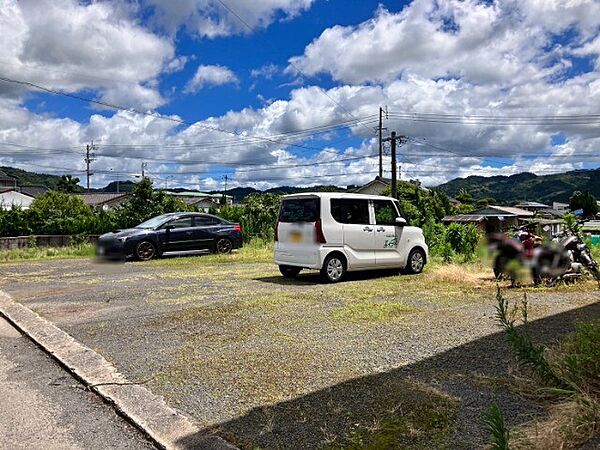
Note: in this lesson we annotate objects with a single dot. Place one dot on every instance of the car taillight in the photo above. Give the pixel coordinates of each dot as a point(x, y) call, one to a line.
point(276, 230)
point(319, 231)
point(237, 228)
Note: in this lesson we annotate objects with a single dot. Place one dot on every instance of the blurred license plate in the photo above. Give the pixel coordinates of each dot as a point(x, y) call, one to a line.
point(295, 236)
point(101, 250)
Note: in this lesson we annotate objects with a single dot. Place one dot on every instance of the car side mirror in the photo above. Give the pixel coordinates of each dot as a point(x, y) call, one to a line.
point(168, 227)
point(400, 221)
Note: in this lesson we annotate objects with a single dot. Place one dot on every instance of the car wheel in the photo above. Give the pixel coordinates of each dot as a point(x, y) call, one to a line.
point(224, 246)
point(145, 251)
point(333, 269)
point(289, 271)
point(416, 261)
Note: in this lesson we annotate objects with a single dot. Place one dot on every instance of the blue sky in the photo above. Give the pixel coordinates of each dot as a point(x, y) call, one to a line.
point(528, 70)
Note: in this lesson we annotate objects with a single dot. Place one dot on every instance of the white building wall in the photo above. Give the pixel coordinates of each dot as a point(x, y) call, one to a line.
point(9, 198)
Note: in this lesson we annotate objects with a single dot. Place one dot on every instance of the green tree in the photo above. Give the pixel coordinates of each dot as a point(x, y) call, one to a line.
point(146, 203)
point(464, 196)
point(68, 184)
point(585, 201)
point(59, 213)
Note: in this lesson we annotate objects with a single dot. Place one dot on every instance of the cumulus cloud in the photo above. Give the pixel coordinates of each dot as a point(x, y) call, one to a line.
point(209, 18)
point(69, 46)
point(477, 42)
point(210, 75)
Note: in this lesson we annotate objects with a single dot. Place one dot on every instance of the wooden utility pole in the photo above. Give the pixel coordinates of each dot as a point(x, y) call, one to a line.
point(380, 129)
point(89, 157)
point(394, 182)
point(393, 141)
point(144, 165)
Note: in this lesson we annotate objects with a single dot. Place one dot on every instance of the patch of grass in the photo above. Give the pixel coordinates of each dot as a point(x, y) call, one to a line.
point(372, 311)
point(39, 253)
point(417, 417)
point(256, 251)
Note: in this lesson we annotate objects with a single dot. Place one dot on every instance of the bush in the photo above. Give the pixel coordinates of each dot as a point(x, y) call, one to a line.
point(257, 215)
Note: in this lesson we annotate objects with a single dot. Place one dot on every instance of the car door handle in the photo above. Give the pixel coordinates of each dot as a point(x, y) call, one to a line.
point(380, 229)
point(367, 229)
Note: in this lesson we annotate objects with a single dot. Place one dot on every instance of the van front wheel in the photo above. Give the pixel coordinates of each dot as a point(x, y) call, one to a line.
point(289, 271)
point(416, 261)
point(333, 269)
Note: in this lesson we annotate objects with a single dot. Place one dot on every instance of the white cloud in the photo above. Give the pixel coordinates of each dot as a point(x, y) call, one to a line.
point(65, 45)
point(211, 75)
point(209, 18)
point(481, 43)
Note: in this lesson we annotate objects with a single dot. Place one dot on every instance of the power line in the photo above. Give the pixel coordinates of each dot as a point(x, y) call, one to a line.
point(145, 113)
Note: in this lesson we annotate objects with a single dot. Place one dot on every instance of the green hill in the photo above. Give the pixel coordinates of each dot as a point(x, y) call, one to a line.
point(527, 186)
point(31, 178)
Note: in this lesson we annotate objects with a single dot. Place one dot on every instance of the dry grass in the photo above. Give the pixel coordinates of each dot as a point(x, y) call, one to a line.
point(569, 424)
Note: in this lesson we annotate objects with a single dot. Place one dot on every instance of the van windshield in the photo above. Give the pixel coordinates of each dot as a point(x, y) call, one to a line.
point(299, 210)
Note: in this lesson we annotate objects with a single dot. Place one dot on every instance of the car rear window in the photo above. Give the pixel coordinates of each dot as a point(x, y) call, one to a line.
point(299, 210)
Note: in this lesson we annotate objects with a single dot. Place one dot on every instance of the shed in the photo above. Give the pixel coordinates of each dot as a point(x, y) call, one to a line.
point(11, 197)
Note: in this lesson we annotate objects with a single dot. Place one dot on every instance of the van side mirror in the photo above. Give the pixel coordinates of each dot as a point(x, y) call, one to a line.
point(400, 221)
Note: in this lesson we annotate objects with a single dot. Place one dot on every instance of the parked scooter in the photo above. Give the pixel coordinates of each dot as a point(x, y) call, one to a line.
point(579, 253)
point(546, 264)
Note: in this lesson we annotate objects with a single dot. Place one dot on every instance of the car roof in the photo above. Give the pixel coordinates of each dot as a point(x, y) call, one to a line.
point(329, 195)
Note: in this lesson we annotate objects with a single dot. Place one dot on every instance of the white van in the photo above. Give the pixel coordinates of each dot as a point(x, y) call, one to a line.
point(337, 232)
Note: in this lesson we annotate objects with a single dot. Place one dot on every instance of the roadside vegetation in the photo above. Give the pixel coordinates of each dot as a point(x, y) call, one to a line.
point(38, 253)
point(564, 377)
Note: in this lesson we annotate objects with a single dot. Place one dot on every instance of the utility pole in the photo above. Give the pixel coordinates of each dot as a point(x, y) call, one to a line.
point(393, 140)
point(225, 194)
point(144, 165)
point(394, 182)
point(89, 157)
point(380, 135)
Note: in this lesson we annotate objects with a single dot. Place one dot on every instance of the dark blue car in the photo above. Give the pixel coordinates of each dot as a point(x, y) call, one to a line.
point(172, 233)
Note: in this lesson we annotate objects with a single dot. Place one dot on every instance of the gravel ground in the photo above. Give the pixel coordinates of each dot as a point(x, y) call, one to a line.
point(274, 363)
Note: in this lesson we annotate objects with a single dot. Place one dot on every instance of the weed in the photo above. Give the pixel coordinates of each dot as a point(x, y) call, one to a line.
point(493, 419)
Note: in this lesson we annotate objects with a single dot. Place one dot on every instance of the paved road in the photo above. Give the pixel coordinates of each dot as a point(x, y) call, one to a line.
point(43, 407)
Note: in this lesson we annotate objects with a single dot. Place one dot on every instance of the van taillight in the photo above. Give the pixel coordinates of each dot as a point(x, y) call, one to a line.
point(276, 230)
point(319, 232)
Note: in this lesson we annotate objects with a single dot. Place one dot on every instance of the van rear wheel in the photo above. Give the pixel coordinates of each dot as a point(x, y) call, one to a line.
point(289, 271)
point(334, 269)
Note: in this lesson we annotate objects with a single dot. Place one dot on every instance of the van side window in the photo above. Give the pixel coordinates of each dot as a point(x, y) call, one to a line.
point(300, 210)
point(352, 211)
point(385, 212)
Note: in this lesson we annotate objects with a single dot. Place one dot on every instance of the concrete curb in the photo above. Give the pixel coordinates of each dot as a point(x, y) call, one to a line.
point(167, 427)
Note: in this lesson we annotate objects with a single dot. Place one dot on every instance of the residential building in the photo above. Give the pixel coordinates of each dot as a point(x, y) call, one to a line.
point(106, 201)
point(558, 206)
point(533, 206)
point(33, 191)
point(492, 218)
point(10, 197)
point(591, 229)
point(375, 187)
point(7, 181)
point(201, 200)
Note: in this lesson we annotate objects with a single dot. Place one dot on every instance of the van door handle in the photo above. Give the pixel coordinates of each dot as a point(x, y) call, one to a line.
point(367, 229)
point(380, 229)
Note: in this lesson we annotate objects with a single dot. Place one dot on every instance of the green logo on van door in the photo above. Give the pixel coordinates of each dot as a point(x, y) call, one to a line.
point(391, 243)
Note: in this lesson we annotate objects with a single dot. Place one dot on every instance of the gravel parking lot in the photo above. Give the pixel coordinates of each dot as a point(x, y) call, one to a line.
point(381, 360)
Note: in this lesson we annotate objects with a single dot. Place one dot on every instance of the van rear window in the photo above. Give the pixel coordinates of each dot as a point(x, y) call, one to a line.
point(299, 210)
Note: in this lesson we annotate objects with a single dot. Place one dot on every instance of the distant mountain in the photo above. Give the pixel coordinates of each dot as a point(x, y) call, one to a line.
point(240, 193)
point(123, 186)
point(527, 186)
